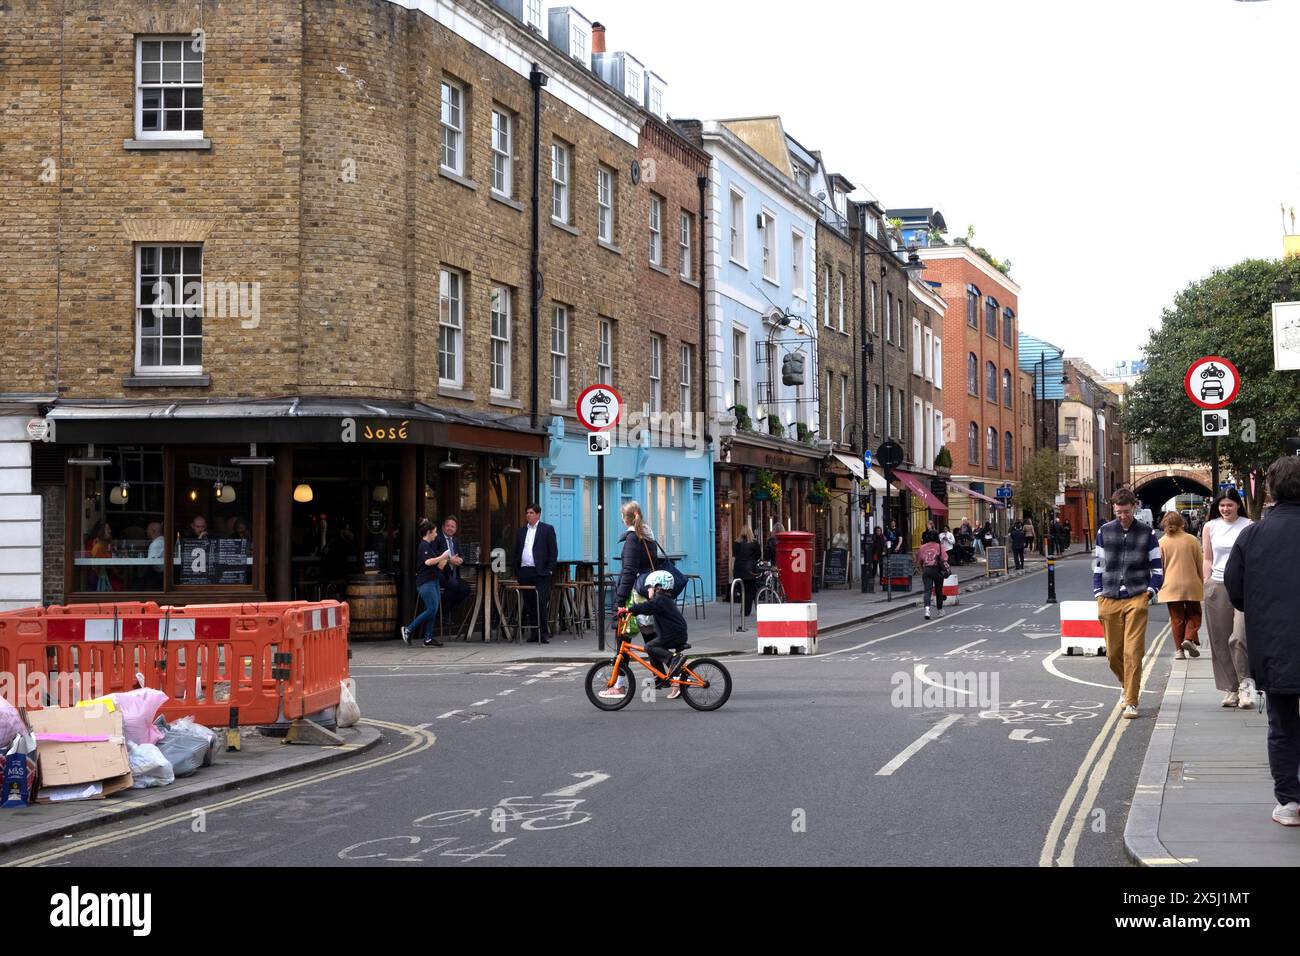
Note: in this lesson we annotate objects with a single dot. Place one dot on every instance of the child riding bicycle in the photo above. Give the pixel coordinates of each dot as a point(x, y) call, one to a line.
point(670, 627)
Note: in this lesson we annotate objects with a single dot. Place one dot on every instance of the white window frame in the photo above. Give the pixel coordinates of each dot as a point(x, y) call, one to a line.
point(938, 362)
point(580, 44)
point(685, 231)
point(453, 135)
point(771, 257)
point(605, 353)
point(740, 370)
point(826, 296)
point(827, 408)
point(889, 411)
point(840, 278)
point(686, 380)
point(182, 304)
point(875, 316)
point(844, 392)
point(889, 317)
point(875, 411)
point(918, 433)
point(451, 324)
point(938, 431)
point(737, 251)
point(533, 13)
point(501, 333)
point(656, 371)
point(927, 355)
point(796, 264)
point(656, 101)
point(561, 174)
point(187, 45)
point(929, 450)
point(503, 153)
point(605, 204)
point(633, 90)
point(992, 432)
point(560, 355)
point(656, 230)
point(918, 367)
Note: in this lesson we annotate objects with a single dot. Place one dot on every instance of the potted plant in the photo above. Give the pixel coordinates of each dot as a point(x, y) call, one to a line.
point(820, 494)
point(774, 427)
point(743, 422)
point(804, 433)
point(943, 461)
point(765, 487)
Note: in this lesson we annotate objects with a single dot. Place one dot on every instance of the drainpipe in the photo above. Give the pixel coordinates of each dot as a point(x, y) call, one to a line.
point(703, 182)
point(536, 79)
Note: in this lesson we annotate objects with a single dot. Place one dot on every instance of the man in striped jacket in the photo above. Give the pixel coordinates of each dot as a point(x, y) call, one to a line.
point(1126, 575)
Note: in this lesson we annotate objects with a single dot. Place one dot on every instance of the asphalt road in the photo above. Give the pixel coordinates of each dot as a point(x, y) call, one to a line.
point(815, 760)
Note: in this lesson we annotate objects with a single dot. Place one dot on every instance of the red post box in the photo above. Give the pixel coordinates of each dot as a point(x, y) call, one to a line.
point(794, 562)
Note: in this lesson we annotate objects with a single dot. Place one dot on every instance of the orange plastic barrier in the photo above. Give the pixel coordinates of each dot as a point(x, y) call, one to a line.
point(208, 659)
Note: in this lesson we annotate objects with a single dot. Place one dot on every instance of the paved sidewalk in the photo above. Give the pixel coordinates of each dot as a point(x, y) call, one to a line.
point(713, 635)
point(260, 759)
point(1205, 794)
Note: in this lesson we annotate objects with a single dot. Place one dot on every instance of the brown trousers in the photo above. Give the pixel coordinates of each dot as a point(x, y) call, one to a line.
point(1184, 622)
point(1125, 623)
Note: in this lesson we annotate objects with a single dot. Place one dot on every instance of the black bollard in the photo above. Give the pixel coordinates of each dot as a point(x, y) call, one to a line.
point(1051, 579)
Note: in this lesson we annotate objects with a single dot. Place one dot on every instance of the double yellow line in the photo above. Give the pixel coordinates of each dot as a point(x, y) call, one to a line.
point(419, 740)
point(1099, 767)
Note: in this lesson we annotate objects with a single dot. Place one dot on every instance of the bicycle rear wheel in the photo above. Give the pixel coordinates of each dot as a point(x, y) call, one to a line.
point(769, 595)
point(717, 680)
point(598, 680)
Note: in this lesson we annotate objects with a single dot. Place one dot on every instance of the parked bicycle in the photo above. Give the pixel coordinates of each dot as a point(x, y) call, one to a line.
point(769, 584)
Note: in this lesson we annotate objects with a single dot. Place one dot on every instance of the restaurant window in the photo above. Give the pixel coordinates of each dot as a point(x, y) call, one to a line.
point(212, 517)
point(118, 539)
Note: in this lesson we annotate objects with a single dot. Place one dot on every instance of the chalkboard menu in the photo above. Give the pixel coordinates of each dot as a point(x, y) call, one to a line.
point(371, 561)
point(997, 559)
point(212, 561)
point(835, 567)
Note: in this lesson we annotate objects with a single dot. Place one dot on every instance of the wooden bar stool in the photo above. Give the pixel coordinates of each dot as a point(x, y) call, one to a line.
point(516, 595)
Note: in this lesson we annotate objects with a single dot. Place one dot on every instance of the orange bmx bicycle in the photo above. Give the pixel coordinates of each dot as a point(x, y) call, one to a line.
point(705, 683)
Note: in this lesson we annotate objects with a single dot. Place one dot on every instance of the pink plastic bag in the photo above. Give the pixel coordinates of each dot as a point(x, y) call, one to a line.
point(11, 724)
point(139, 707)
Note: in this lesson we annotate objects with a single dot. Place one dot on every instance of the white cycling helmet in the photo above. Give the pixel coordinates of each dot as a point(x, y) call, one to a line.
point(660, 579)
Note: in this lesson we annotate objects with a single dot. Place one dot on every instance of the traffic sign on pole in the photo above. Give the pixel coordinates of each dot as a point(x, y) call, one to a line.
point(1212, 382)
point(599, 407)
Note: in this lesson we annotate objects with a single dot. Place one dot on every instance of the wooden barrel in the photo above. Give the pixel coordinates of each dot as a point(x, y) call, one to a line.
point(372, 602)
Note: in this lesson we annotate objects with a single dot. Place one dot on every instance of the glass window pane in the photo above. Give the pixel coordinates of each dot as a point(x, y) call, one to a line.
point(194, 120)
point(171, 72)
point(173, 98)
point(193, 98)
point(171, 259)
point(174, 120)
point(151, 50)
point(193, 72)
point(149, 352)
point(193, 351)
point(213, 506)
point(171, 324)
point(173, 49)
point(171, 351)
point(193, 325)
point(192, 256)
point(150, 72)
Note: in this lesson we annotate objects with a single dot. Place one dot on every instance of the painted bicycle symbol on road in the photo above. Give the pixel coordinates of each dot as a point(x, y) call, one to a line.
point(1036, 711)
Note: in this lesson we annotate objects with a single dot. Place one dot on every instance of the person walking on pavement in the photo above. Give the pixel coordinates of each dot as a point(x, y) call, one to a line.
point(1067, 535)
point(428, 584)
point(1126, 576)
point(769, 547)
point(535, 558)
point(1018, 545)
point(1184, 586)
point(1260, 582)
point(745, 555)
point(878, 548)
point(1027, 526)
point(1227, 626)
point(932, 561)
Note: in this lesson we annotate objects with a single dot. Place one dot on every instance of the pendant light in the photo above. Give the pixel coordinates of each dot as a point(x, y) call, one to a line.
point(119, 495)
point(302, 493)
point(450, 465)
point(511, 469)
point(224, 493)
point(380, 493)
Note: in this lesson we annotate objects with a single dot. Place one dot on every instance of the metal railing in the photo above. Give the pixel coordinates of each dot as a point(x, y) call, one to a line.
point(731, 607)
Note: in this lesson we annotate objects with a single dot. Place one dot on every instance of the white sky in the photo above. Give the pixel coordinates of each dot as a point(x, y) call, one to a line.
point(1113, 150)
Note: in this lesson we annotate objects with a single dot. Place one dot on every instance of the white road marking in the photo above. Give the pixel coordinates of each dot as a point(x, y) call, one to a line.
point(504, 692)
point(911, 749)
point(1042, 609)
point(532, 680)
point(877, 640)
point(423, 726)
point(924, 678)
point(1038, 635)
point(593, 777)
point(1012, 626)
point(1025, 734)
point(1049, 664)
point(958, 650)
point(485, 700)
point(450, 713)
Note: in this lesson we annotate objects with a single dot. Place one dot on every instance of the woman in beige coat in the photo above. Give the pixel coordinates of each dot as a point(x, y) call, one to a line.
point(1184, 586)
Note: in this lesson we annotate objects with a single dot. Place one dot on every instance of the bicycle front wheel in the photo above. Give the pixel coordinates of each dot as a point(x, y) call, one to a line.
point(717, 684)
point(598, 679)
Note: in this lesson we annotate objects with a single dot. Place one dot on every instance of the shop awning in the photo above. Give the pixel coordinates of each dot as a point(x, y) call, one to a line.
point(853, 464)
point(918, 485)
point(971, 493)
point(876, 480)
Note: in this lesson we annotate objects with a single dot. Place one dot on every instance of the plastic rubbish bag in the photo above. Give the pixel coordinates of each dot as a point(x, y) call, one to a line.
point(149, 768)
point(349, 712)
point(11, 724)
point(19, 771)
point(138, 709)
point(188, 746)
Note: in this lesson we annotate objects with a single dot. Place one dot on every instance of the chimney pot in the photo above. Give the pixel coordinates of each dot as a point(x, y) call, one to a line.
point(598, 38)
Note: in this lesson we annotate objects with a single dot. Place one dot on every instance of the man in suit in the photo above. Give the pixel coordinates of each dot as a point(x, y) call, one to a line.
point(534, 560)
point(454, 589)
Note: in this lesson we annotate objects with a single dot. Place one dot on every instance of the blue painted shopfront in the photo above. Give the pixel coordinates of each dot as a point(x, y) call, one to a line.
point(674, 487)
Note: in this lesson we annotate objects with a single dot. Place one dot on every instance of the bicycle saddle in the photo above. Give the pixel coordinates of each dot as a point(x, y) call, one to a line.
point(682, 648)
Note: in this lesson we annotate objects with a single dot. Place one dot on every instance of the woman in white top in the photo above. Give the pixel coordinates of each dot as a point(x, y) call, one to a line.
point(1227, 626)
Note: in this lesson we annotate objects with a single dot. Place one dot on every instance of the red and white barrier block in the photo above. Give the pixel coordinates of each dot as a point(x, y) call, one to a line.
point(951, 593)
point(787, 628)
point(1081, 629)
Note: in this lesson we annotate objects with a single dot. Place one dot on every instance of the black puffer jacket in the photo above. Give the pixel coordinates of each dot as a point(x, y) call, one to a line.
point(1261, 579)
point(636, 558)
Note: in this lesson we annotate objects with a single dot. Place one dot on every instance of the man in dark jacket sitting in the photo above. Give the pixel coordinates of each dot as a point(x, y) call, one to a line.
point(1260, 580)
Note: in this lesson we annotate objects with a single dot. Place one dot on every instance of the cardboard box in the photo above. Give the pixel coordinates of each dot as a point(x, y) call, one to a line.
point(65, 763)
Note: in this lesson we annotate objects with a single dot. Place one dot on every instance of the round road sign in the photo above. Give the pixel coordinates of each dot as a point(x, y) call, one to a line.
point(599, 407)
point(1212, 382)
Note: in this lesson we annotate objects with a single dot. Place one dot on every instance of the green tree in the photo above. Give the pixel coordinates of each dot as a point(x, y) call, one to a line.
point(1039, 482)
point(1229, 314)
